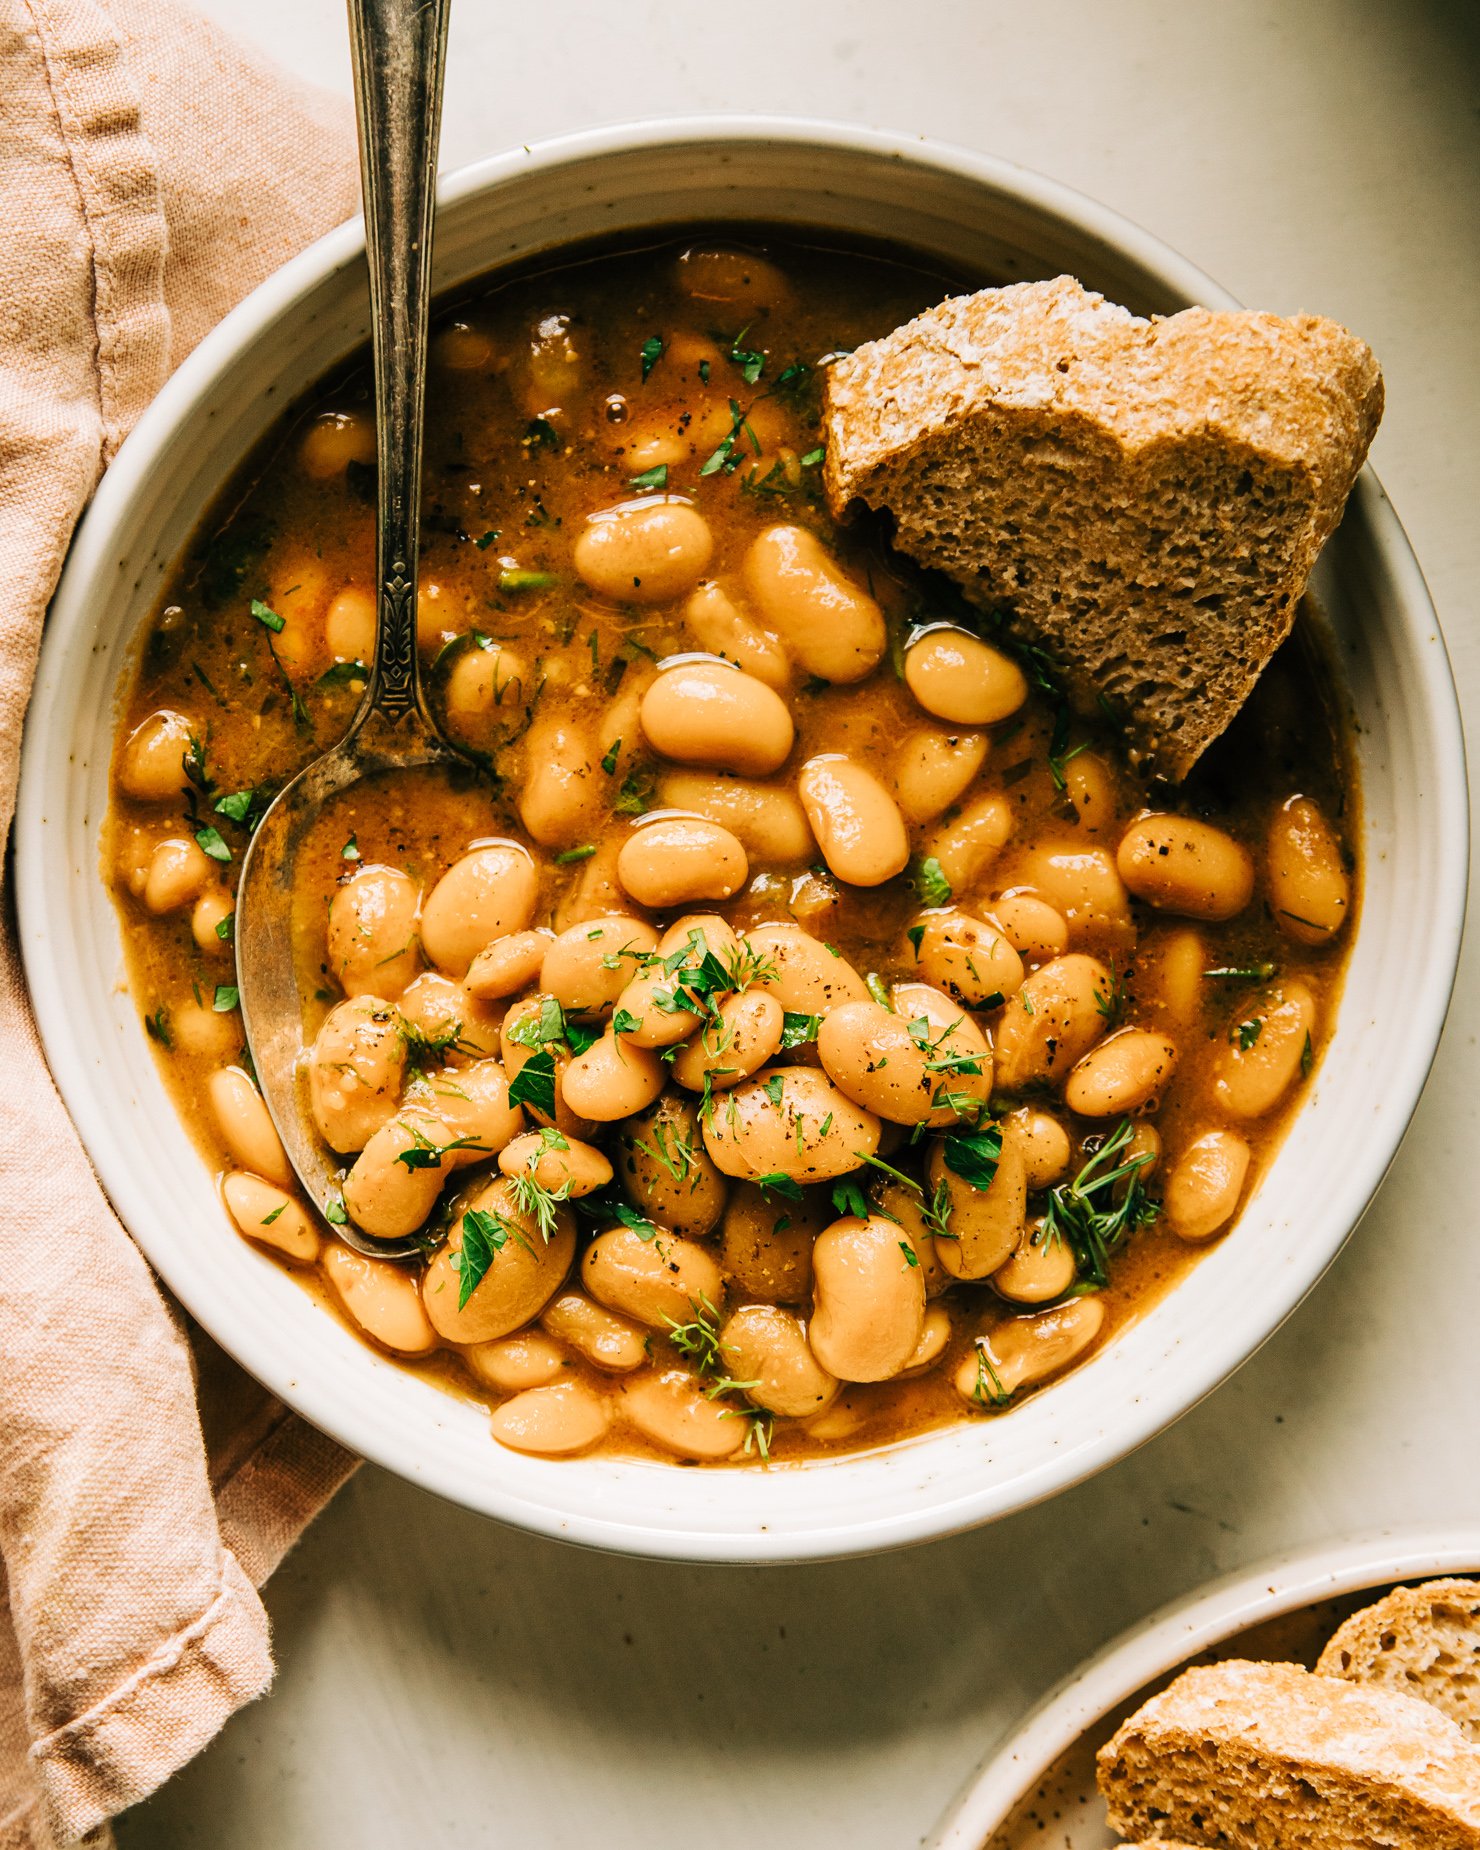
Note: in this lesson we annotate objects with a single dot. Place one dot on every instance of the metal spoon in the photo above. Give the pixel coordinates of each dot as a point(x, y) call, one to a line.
point(399, 49)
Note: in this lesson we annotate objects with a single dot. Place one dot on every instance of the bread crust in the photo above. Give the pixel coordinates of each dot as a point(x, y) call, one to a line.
point(1422, 1641)
point(1144, 498)
point(1252, 1756)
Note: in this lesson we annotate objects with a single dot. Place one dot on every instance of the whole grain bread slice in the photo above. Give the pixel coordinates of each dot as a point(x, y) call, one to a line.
point(1423, 1641)
point(1250, 1756)
point(1144, 498)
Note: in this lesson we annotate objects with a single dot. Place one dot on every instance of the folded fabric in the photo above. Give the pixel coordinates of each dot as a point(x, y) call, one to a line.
point(152, 172)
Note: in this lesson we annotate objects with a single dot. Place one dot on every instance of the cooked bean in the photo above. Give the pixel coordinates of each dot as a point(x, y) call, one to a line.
point(828, 624)
point(1125, 1072)
point(178, 869)
point(902, 1068)
point(766, 1246)
point(612, 1079)
point(1144, 1141)
point(1267, 1046)
point(668, 1407)
point(334, 440)
point(1175, 965)
point(518, 1047)
point(1179, 864)
point(526, 1359)
point(388, 1197)
point(270, 1216)
point(718, 626)
point(736, 1043)
point(1044, 1143)
point(1040, 1269)
point(969, 958)
point(966, 846)
point(1085, 886)
point(552, 1422)
point(552, 368)
point(651, 997)
point(857, 823)
point(1027, 1350)
point(666, 1170)
point(472, 1104)
point(1203, 1189)
point(769, 823)
point(487, 682)
point(614, 1344)
point(556, 1162)
point(739, 279)
point(906, 1208)
point(1309, 888)
point(211, 910)
point(372, 940)
point(868, 1300)
point(659, 1281)
point(767, 1349)
point(524, 1273)
point(983, 1225)
point(440, 617)
point(794, 1123)
point(934, 1339)
point(1059, 1013)
point(349, 625)
point(1035, 929)
point(508, 964)
point(934, 769)
point(440, 1017)
point(355, 1068)
point(1089, 785)
point(200, 1028)
point(381, 1298)
point(486, 894)
point(564, 792)
point(678, 860)
point(462, 348)
point(713, 714)
point(647, 552)
point(806, 976)
point(958, 677)
point(589, 965)
point(246, 1127)
point(152, 768)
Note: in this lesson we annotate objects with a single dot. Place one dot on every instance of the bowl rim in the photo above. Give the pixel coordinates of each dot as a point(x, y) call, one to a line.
point(71, 619)
point(1180, 1630)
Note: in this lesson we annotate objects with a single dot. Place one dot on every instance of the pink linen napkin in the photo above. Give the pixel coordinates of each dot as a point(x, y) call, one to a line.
point(152, 172)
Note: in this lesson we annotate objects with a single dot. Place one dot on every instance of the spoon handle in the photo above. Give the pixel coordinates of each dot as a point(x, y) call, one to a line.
point(399, 51)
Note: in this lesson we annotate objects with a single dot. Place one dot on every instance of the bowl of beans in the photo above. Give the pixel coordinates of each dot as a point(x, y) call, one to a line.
point(832, 1101)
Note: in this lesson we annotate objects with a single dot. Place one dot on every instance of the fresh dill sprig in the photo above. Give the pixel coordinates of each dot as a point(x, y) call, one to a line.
point(1084, 1212)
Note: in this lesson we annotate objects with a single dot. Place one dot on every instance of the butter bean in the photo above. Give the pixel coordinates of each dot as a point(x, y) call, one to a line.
point(958, 677)
point(868, 1301)
point(766, 1246)
point(678, 860)
point(614, 1344)
point(1309, 888)
point(372, 941)
point(384, 1196)
point(612, 1079)
point(647, 552)
point(472, 1105)
point(462, 348)
point(651, 996)
point(527, 1359)
point(795, 1123)
point(658, 1282)
point(900, 1067)
point(380, 1298)
point(966, 846)
point(333, 441)
point(726, 1050)
point(1052, 1021)
point(551, 371)
point(667, 1172)
point(487, 689)
point(552, 1422)
point(1258, 1065)
point(1040, 1269)
point(806, 976)
point(203, 1030)
point(718, 625)
point(934, 769)
point(1089, 785)
point(355, 1069)
point(563, 797)
point(524, 1274)
point(152, 769)
point(1179, 864)
point(446, 1020)
point(589, 965)
point(1027, 1350)
point(210, 911)
point(857, 823)
point(1035, 929)
point(1085, 886)
point(828, 624)
point(934, 1340)
point(1175, 964)
point(1121, 1074)
point(178, 871)
point(968, 958)
point(739, 279)
point(1044, 1143)
point(984, 1225)
point(508, 964)
point(246, 1127)
point(768, 822)
point(270, 1216)
point(713, 714)
point(349, 625)
point(668, 1407)
point(767, 1347)
point(556, 1162)
point(489, 892)
point(1203, 1189)
point(906, 1209)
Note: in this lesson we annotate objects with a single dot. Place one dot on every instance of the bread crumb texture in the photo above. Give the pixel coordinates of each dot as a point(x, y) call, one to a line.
point(1253, 1756)
point(1144, 498)
point(1423, 1641)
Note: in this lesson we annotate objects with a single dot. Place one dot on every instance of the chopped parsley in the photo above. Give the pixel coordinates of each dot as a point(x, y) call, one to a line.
point(226, 998)
point(1244, 1034)
point(534, 1084)
point(656, 477)
point(210, 842)
point(650, 353)
point(931, 883)
point(1085, 1214)
point(265, 614)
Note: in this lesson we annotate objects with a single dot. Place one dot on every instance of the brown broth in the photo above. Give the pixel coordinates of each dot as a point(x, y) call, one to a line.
point(507, 490)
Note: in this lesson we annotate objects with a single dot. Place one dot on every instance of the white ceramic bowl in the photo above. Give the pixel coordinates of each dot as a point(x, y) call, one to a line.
point(981, 215)
point(1162, 1643)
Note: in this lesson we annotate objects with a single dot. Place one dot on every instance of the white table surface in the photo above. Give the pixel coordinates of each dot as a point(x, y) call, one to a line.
point(443, 1681)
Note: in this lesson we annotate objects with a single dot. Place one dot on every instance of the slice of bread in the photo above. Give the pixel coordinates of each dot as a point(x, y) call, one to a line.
point(1423, 1641)
point(1251, 1756)
point(1143, 499)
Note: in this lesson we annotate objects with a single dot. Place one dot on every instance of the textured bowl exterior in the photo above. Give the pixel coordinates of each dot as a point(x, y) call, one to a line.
point(972, 212)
